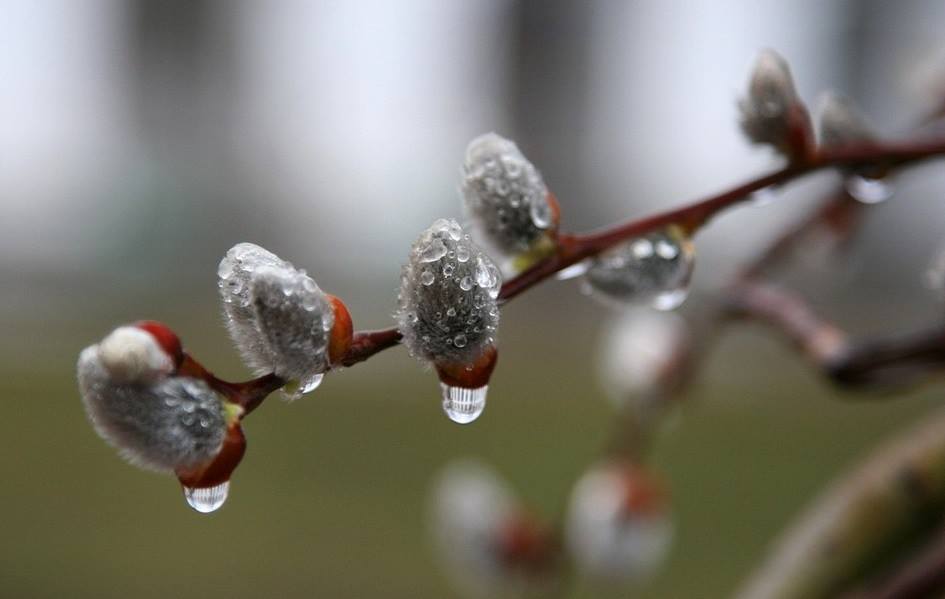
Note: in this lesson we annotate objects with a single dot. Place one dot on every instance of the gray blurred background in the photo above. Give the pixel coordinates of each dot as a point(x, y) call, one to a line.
point(139, 140)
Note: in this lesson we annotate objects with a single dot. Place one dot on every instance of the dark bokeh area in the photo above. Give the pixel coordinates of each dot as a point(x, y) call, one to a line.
point(140, 140)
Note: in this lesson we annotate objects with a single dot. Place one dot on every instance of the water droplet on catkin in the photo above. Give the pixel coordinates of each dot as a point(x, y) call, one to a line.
point(207, 499)
point(463, 405)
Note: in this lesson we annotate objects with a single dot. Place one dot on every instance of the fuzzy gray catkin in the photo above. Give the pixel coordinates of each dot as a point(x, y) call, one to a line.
point(764, 112)
point(841, 123)
point(505, 195)
point(276, 315)
point(448, 311)
point(156, 421)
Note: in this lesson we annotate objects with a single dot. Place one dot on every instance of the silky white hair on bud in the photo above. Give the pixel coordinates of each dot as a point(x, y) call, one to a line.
point(276, 315)
point(764, 111)
point(637, 352)
point(607, 541)
point(469, 507)
point(132, 355)
point(161, 424)
point(505, 195)
point(840, 122)
point(448, 311)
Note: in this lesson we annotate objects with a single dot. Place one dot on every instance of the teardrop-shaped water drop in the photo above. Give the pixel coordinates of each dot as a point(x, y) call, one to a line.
point(311, 383)
point(207, 499)
point(868, 191)
point(294, 390)
point(463, 405)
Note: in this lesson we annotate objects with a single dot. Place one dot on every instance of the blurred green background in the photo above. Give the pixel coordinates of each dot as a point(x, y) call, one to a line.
point(140, 140)
point(331, 498)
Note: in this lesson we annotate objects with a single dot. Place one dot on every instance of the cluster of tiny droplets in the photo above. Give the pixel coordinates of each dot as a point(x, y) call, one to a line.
point(277, 316)
point(770, 95)
point(172, 423)
point(504, 194)
point(447, 301)
point(654, 269)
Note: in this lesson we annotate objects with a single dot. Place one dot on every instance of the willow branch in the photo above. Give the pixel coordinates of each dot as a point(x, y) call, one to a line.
point(572, 249)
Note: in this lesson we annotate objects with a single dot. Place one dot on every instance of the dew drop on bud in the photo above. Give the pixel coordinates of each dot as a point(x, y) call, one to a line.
point(868, 191)
point(463, 405)
point(654, 269)
point(434, 251)
point(207, 499)
point(426, 278)
point(540, 212)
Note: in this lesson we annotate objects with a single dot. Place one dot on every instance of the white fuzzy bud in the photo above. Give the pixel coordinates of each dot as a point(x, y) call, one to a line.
point(505, 195)
point(615, 530)
point(132, 355)
point(160, 423)
point(448, 311)
point(639, 350)
point(771, 94)
point(276, 315)
point(841, 123)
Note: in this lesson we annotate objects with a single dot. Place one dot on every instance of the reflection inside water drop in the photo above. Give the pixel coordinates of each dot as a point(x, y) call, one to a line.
point(654, 269)
point(463, 405)
point(207, 499)
point(296, 389)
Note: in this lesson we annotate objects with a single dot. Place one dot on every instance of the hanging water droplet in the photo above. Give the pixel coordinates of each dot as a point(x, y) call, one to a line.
point(655, 269)
point(434, 251)
point(207, 499)
point(312, 383)
point(462, 253)
point(868, 191)
point(573, 271)
point(294, 390)
point(427, 277)
point(466, 283)
point(463, 405)
point(460, 340)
